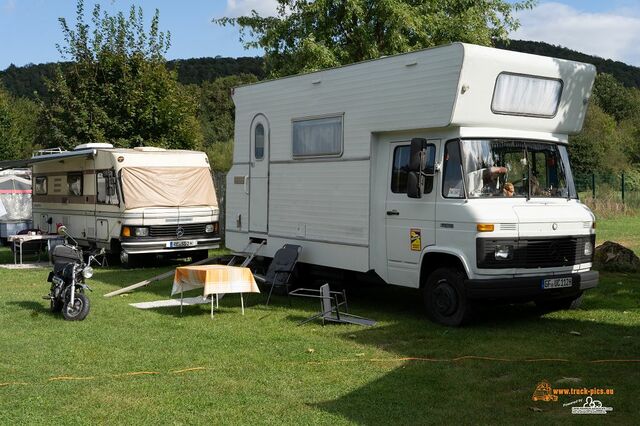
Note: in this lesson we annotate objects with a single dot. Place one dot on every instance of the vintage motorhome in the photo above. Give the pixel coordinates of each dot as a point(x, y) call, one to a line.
point(129, 201)
point(402, 167)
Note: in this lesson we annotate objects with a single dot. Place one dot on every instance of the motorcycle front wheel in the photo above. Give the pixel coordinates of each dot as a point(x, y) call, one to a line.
point(79, 310)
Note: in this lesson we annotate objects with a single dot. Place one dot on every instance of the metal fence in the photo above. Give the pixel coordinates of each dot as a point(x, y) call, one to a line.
point(617, 189)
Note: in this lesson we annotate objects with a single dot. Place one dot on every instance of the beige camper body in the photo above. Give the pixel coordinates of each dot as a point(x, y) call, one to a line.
point(128, 201)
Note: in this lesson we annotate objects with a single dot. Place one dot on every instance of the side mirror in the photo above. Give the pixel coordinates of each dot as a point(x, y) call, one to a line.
point(414, 187)
point(417, 160)
point(62, 230)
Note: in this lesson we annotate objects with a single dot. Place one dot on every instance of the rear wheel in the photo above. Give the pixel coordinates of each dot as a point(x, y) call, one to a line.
point(445, 299)
point(567, 303)
point(79, 310)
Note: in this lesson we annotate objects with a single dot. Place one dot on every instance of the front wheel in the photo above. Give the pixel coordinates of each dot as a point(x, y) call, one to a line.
point(79, 310)
point(445, 298)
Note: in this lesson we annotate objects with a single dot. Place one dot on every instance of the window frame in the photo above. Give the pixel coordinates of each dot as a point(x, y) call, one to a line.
point(407, 144)
point(104, 203)
point(517, 114)
point(75, 174)
point(316, 155)
point(463, 195)
point(46, 185)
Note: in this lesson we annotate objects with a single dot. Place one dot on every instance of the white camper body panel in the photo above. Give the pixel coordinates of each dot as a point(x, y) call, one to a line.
point(95, 223)
point(338, 207)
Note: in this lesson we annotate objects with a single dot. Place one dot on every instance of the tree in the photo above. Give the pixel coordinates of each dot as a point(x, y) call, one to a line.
point(117, 88)
point(307, 35)
point(17, 126)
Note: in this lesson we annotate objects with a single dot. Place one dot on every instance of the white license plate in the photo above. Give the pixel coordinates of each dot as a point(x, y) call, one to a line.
point(179, 244)
point(557, 283)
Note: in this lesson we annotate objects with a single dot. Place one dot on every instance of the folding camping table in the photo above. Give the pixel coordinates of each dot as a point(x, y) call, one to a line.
point(216, 280)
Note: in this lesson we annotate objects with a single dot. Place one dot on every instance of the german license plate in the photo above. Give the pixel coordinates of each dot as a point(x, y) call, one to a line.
point(557, 283)
point(180, 244)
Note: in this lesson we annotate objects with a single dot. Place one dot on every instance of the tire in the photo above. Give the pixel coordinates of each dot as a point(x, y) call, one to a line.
point(80, 309)
point(564, 304)
point(55, 306)
point(445, 299)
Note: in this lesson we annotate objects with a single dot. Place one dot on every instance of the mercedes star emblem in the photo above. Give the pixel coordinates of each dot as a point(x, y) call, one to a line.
point(180, 231)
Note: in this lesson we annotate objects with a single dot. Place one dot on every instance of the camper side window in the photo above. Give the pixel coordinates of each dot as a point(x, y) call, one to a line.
point(452, 186)
point(259, 142)
point(317, 137)
point(106, 187)
point(41, 185)
point(74, 183)
point(400, 170)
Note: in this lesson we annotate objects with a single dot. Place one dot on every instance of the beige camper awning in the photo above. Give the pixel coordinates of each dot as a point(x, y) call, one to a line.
point(168, 187)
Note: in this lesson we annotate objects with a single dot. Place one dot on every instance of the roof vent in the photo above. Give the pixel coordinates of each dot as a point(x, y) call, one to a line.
point(93, 146)
point(148, 148)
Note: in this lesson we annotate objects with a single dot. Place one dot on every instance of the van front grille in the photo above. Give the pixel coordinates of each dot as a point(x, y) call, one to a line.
point(171, 231)
point(535, 252)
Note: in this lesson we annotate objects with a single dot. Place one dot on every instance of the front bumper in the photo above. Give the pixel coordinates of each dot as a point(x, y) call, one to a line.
point(160, 246)
point(529, 288)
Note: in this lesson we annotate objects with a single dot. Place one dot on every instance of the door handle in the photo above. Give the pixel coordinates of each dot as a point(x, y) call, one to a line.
point(246, 185)
point(393, 213)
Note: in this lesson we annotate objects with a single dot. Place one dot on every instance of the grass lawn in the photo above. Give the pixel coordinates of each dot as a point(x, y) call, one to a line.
point(128, 366)
point(624, 230)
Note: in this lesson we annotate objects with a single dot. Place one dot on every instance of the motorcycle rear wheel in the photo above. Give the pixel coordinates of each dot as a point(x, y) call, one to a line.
point(79, 310)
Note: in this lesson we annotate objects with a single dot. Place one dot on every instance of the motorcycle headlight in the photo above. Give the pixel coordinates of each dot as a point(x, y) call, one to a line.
point(142, 232)
point(87, 272)
point(503, 252)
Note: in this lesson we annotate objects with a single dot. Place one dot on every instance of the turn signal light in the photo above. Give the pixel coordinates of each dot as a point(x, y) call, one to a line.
point(126, 231)
point(485, 227)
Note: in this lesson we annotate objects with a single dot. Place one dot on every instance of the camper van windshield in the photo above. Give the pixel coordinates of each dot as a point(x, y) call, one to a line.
point(508, 168)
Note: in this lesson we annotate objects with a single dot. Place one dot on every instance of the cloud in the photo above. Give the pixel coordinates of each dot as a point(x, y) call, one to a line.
point(9, 6)
point(237, 8)
point(614, 34)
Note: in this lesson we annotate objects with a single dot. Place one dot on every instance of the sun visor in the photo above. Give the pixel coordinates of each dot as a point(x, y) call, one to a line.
point(168, 187)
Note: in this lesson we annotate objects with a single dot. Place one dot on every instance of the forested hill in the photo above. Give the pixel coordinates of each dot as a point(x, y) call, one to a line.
point(24, 81)
point(626, 74)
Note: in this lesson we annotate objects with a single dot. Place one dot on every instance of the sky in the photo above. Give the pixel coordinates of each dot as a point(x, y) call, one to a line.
point(29, 29)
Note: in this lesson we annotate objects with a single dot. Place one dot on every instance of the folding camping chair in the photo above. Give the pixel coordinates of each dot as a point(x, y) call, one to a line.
point(280, 269)
point(330, 305)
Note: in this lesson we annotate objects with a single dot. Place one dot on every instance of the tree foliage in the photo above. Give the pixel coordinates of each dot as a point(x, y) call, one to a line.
point(307, 35)
point(117, 88)
point(17, 126)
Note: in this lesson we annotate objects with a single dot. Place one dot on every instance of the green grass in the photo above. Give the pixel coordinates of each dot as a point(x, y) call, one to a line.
point(262, 368)
point(624, 230)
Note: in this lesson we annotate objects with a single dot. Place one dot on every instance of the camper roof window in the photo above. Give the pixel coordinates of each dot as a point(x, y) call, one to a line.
point(517, 94)
point(74, 183)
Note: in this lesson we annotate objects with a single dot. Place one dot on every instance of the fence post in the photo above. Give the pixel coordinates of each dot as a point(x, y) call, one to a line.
point(622, 187)
point(593, 185)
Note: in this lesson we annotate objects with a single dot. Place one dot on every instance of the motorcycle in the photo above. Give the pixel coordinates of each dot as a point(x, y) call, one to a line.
point(67, 294)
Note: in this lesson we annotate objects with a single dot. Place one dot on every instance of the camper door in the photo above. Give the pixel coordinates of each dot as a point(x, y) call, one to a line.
point(259, 175)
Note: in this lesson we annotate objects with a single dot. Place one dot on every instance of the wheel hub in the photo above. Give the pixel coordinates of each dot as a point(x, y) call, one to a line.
point(445, 298)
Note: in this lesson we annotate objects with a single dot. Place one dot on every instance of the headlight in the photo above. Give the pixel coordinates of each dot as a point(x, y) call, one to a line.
point(588, 248)
point(142, 232)
point(209, 228)
point(503, 252)
point(87, 272)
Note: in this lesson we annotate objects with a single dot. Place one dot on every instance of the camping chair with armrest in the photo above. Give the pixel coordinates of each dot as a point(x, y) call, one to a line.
point(331, 303)
point(281, 268)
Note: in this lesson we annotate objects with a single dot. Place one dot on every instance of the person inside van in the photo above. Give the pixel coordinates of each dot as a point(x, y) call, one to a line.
point(508, 189)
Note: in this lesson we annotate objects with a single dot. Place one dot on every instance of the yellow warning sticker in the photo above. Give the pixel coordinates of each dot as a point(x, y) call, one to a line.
point(416, 241)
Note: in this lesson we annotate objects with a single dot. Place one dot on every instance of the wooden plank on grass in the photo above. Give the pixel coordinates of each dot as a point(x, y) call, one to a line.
point(156, 278)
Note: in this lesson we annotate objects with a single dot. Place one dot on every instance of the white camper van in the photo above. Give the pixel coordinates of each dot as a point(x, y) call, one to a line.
point(444, 169)
point(130, 201)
